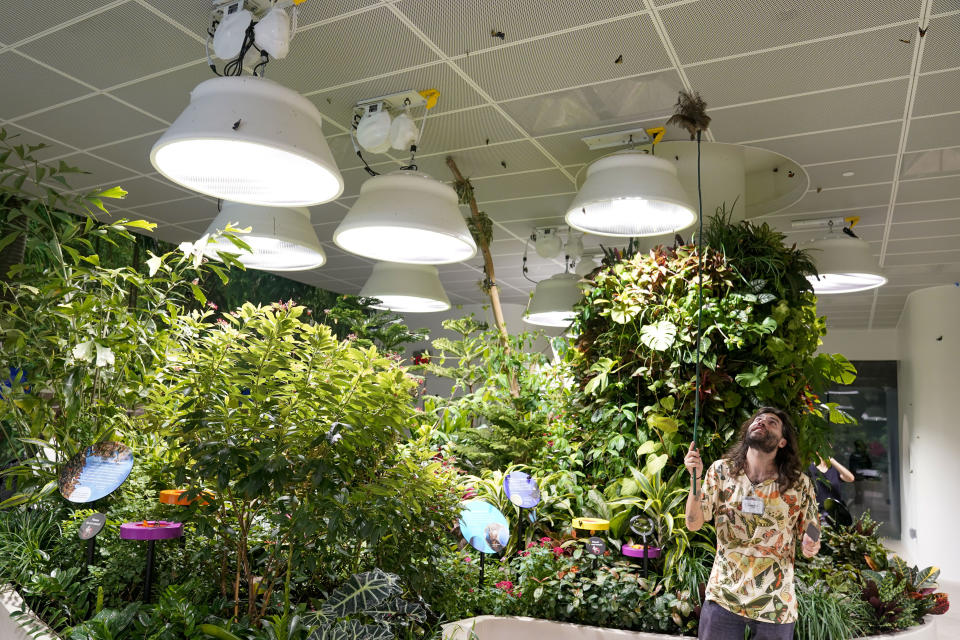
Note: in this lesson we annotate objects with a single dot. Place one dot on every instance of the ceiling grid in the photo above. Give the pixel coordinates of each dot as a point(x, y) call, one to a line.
point(837, 91)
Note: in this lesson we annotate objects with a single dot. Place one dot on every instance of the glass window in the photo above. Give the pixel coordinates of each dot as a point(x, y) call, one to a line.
point(870, 448)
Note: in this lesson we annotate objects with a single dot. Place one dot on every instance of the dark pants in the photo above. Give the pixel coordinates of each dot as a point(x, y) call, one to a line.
point(716, 623)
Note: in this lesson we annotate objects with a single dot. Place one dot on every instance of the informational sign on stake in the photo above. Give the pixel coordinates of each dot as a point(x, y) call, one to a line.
point(95, 472)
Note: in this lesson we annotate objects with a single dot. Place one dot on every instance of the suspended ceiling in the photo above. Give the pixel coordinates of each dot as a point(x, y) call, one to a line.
point(839, 87)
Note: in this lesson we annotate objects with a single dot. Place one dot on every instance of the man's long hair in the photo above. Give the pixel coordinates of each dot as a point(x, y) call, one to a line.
point(788, 456)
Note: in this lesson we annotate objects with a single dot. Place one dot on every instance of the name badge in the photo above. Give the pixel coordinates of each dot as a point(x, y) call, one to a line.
point(752, 505)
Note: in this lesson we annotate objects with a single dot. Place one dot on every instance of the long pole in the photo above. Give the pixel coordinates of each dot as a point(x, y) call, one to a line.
point(482, 556)
point(696, 399)
point(148, 586)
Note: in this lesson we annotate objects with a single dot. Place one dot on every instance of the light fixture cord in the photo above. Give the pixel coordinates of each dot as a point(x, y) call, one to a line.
point(696, 399)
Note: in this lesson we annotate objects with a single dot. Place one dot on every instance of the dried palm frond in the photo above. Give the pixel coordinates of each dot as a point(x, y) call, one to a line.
point(690, 113)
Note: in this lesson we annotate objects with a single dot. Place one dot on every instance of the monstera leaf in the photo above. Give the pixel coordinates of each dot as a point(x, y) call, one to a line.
point(658, 336)
point(362, 592)
point(351, 630)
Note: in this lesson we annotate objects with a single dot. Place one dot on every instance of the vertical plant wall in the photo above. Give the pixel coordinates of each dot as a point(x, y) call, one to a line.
point(636, 355)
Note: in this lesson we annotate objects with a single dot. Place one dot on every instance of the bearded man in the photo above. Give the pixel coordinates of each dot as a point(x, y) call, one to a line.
point(762, 504)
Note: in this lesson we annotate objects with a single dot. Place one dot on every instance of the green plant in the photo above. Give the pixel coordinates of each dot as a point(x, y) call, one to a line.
point(83, 337)
point(824, 613)
point(636, 354)
point(300, 438)
point(507, 403)
point(365, 607)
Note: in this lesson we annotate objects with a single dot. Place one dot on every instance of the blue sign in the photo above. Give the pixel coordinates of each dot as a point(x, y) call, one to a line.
point(521, 489)
point(95, 472)
point(484, 527)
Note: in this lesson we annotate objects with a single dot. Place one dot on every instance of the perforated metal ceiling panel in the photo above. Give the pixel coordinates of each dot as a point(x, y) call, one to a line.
point(837, 87)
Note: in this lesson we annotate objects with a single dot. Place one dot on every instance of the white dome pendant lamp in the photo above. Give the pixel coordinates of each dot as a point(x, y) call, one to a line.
point(280, 238)
point(844, 265)
point(630, 194)
point(406, 288)
point(406, 216)
point(553, 301)
point(250, 140)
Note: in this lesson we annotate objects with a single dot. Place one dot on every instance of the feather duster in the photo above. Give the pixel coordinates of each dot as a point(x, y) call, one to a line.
point(690, 113)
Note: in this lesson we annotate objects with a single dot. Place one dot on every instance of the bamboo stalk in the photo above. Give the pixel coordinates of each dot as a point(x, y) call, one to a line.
point(490, 286)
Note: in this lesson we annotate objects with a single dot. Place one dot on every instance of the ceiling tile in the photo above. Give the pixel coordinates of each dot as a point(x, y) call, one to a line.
point(862, 142)
point(337, 257)
point(640, 98)
point(940, 243)
point(26, 138)
point(570, 149)
point(374, 41)
point(455, 92)
point(491, 160)
point(97, 172)
point(28, 86)
point(809, 67)
point(20, 19)
point(312, 12)
point(528, 208)
point(934, 133)
point(133, 154)
point(328, 213)
point(520, 185)
point(940, 49)
point(568, 59)
point(932, 257)
point(91, 122)
point(928, 164)
point(121, 44)
point(463, 129)
point(479, 19)
point(929, 189)
point(144, 191)
point(181, 212)
point(704, 30)
point(927, 228)
point(938, 93)
point(811, 113)
point(867, 171)
point(165, 96)
point(840, 199)
point(921, 211)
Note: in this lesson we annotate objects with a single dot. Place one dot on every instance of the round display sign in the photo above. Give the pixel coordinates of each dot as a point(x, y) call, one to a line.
point(92, 525)
point(95, 472)
point(521, 489)
point(484, 527)
point(641, 525)
point(596, 546)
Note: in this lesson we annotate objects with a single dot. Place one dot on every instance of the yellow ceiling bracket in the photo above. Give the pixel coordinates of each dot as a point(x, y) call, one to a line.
point(656, 134)
point(852, 221)
point(431, 96)
point(298, 2)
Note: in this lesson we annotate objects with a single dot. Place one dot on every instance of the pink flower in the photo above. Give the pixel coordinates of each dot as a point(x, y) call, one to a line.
point(506, 585)
point(558, 551)
point(466, 559)
point(213, 305)
point(523, 554)
point(531, 544)
point(545, 539)
point(351, 337)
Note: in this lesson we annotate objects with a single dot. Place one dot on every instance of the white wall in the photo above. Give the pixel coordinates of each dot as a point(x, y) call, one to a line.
point(930, 428)
point(879, 344)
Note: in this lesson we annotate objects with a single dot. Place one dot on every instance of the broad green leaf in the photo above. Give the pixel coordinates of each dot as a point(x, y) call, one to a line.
point(113, 192)
point(650, 446)
point(658, 336)
point(663, 424)
point(753, 377)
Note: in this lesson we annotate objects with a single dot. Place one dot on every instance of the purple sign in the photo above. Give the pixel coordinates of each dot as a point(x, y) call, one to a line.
point(151, 530)
point(95, 472)
point(521, 489)
point(484, 526)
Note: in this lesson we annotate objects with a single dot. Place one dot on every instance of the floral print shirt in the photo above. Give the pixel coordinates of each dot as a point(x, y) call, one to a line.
point(752, 574)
